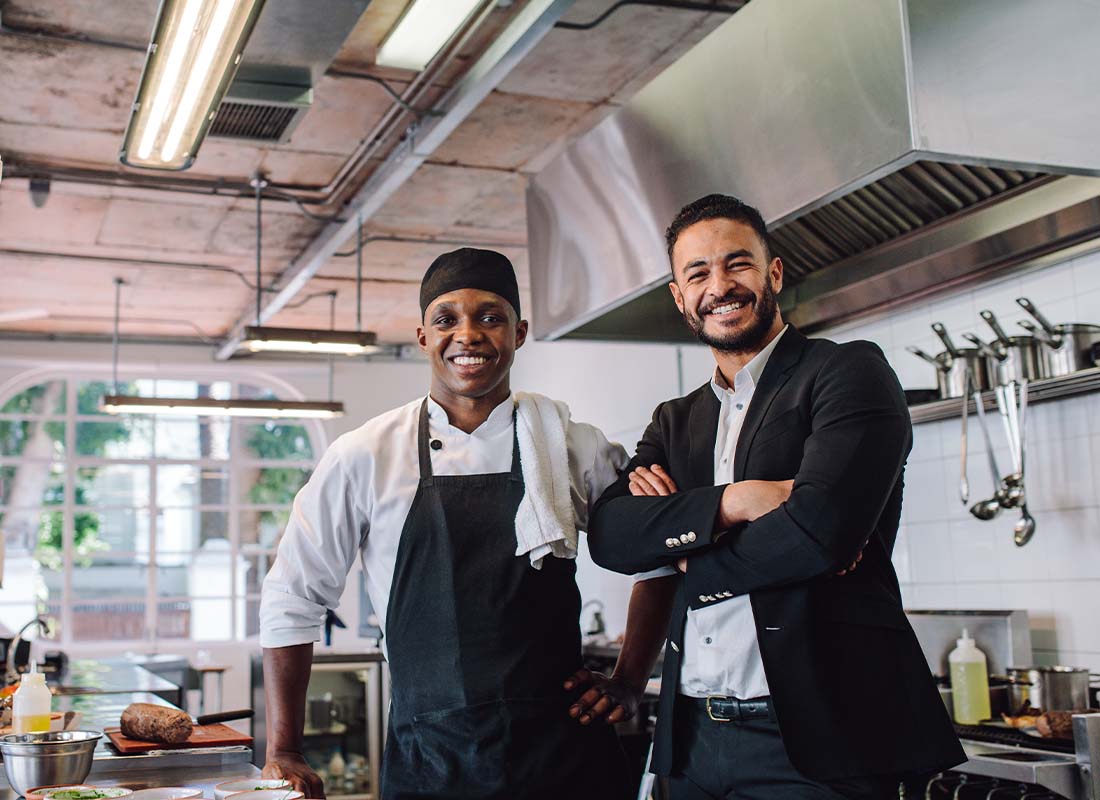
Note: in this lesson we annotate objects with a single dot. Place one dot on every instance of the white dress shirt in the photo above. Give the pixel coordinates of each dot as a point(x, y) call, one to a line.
point(721, 651)
point(356, 502)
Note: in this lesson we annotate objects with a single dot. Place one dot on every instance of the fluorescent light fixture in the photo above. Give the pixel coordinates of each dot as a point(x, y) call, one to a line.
point(23, 314)
point(306, 340)
point(209, 407)
point(422, 31)
point(195, 51)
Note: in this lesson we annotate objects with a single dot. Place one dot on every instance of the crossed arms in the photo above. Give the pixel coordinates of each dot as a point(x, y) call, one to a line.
point(860, 436)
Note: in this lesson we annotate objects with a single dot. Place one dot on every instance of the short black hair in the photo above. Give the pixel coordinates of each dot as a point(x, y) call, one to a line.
point(718, 206)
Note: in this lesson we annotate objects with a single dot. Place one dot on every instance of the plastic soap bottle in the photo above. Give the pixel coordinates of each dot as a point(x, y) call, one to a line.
point(969, 682)
point(31, 704)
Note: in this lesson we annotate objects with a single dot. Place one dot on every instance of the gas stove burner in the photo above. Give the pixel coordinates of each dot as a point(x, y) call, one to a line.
point(990, 734)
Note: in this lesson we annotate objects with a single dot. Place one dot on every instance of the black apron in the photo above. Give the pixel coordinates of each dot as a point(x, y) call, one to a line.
point(479, 643)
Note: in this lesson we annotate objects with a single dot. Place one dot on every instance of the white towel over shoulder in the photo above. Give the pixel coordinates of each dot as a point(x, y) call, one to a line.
point(545, 521)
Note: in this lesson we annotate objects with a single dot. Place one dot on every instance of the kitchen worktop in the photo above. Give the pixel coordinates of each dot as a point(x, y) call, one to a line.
point(111, 676)
point(200, 770)
point(202, 767)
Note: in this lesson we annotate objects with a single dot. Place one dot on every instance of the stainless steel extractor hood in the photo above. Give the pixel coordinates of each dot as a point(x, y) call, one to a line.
point(895, 147)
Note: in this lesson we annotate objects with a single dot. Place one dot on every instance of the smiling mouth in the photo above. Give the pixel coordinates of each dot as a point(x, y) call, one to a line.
point(469, 361)
point(727, 308)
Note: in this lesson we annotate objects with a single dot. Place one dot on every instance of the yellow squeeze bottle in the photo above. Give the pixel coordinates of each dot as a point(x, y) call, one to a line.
point(969, 682)
point(31, 703)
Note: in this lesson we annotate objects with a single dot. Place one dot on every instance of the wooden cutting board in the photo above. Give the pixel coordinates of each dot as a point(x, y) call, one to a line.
point(202, 736)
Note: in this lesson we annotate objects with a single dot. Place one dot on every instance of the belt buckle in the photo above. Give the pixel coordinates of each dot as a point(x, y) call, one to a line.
point(710, 713)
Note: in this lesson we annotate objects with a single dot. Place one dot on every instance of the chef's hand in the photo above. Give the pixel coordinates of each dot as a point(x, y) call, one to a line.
point(292, 767)
point(607, 700)
point(853, 565)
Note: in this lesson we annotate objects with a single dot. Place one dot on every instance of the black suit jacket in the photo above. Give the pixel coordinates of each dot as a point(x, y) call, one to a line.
point(851, 690)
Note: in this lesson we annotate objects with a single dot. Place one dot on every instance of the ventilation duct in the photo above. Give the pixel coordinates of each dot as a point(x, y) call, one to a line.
point(895, 148)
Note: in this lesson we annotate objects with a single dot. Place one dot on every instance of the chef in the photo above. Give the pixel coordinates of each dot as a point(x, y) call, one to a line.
point(463, 508)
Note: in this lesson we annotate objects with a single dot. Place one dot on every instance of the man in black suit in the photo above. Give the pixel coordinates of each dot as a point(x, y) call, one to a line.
point(788, 673)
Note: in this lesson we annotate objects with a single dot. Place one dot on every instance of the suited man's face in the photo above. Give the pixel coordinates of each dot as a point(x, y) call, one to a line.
point(725, 286)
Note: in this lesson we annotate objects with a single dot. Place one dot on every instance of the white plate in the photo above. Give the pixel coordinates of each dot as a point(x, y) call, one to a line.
point(268, 794)
point(239, 785)
point(109, 791)
point(166, 793)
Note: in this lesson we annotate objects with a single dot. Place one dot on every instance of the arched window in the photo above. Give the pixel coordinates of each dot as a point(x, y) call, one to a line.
point(138, 528)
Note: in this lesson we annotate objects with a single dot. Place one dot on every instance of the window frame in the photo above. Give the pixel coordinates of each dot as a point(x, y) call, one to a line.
point(236, 464)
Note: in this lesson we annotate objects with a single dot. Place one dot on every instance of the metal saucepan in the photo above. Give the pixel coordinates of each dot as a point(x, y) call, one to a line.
point(1067, 348)
point(1013, 358)
point(953, 364)
point(1053, 688)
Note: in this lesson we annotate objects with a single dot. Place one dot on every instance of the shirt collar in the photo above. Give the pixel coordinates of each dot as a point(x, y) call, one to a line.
point(749, 375)
point(499, 419)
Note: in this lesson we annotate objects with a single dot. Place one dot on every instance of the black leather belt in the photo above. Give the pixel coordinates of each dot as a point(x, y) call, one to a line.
point(730, 709)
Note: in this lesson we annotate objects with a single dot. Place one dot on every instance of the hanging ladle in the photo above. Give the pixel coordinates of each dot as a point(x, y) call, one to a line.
point(964, 483)
point(1025, 525)
point(987, 509)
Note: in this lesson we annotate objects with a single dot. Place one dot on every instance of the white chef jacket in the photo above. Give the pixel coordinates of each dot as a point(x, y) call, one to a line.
point(358, 497)
point(721, 652)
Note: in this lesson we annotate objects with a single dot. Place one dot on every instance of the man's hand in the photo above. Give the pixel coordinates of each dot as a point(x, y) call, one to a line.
point(655, 482)
point(852, 567)
point(652, 482)
point(746, 501)
point(293, 768)
point(607, 700)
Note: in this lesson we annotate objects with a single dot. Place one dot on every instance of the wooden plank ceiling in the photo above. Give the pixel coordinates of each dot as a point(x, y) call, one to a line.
point(188, 258)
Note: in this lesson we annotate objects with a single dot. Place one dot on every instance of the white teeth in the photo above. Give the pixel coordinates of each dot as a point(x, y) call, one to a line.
point(726, 309)
point(470, 361)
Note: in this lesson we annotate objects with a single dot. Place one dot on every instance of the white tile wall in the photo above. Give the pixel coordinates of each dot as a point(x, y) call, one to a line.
point(945, 558)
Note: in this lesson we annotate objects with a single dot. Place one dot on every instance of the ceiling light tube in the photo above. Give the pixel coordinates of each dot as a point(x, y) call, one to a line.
point(209, 407)
point(306, 340)
point(194, 53)
point(23, 315)
point(422, 31)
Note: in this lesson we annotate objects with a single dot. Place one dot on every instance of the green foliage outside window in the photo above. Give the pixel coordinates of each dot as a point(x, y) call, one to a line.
point(91, 440)
point(277, 485)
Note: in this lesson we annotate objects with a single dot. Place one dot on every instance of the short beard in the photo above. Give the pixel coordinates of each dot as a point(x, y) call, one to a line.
point(752, 337)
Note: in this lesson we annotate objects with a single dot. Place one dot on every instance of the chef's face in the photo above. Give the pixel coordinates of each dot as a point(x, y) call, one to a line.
point(725, 286)
point(471, 337)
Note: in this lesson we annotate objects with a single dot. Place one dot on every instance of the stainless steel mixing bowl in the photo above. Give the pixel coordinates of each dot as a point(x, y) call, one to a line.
point(48, 759)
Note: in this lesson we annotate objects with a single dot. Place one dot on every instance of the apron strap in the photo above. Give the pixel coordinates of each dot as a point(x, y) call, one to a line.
point(426, 457)
point(517, 469)
point(422, 444)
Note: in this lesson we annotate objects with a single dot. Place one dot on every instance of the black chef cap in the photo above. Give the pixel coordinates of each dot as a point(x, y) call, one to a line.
point(470, 268)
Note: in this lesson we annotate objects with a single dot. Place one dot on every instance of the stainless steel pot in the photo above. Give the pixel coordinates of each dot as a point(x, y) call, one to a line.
point(1053, 688)
point(1013, 358)
point(1067, 348)
point(953, 364)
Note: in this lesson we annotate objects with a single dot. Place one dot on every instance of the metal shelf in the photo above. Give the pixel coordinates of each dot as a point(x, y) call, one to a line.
point(1041, 391)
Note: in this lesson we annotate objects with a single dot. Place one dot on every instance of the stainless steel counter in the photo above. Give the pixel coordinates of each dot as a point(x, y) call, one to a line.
point(197, 768)
point(202, 768)
point(113, 676)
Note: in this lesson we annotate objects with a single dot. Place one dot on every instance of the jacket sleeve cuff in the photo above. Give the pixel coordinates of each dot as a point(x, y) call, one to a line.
point(695, 529)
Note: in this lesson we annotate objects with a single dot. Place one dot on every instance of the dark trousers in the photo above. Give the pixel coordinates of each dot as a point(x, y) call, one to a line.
point(747, 761)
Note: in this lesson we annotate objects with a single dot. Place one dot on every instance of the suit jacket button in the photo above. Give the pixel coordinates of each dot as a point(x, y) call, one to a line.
point(684, 538)
point(691, 536)
point(702, 598)
point(670, 543)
